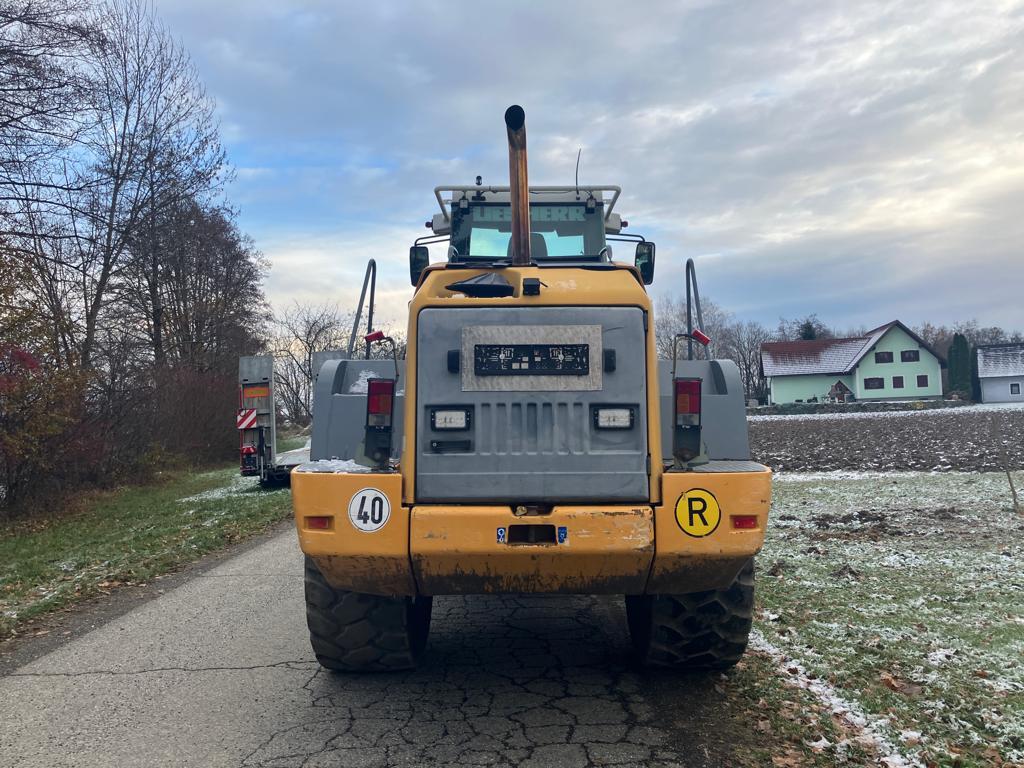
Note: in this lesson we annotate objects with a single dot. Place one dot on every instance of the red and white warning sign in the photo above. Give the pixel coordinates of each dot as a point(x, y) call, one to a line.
point(246, 418)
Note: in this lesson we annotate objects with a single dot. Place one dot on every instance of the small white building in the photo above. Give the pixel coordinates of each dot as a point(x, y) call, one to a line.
point(1001, 373)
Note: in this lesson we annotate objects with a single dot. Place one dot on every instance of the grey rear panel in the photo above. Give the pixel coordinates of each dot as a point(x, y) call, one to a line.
point(339, 405)
point(723, 415)
point(341, 415)
point(531, 438)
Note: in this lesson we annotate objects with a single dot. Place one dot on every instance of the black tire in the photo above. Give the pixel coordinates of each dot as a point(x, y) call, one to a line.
point(355, 632)
point(700, 630)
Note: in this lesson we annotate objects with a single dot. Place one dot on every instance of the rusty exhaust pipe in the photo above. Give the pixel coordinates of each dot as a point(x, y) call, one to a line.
point(519, 187)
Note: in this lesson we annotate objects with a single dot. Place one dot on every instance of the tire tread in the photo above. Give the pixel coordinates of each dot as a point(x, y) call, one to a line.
point(356, 632)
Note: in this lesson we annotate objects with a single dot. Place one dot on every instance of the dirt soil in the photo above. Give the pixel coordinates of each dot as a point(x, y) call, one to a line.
point(964, 439)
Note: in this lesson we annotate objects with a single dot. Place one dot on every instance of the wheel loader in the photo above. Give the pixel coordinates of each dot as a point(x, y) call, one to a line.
point(531, 441)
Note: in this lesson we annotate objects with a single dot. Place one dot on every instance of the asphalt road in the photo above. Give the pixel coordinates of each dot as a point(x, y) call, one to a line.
point(218, 672)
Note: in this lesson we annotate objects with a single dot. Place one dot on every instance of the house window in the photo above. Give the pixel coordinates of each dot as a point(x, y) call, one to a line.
point(910, 355)
point(1015, 388)
point(897, 382)
point(878, 383)
point(922, 380)
point(883, 357)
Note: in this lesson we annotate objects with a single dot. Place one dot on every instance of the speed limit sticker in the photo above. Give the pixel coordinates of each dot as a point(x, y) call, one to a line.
point(369, 510)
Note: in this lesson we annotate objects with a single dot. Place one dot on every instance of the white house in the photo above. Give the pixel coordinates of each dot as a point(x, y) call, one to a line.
point(889, 362)
point(1001, 373)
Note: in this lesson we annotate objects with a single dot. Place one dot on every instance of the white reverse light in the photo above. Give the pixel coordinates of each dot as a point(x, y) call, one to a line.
point(451, 419)
point(614, 418)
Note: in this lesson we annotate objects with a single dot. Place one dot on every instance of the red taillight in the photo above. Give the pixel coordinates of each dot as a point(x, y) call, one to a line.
point(699, 335)
point(375, 336)
point(687, 402)
point(380, 396)
point(318, 523)
point(745, 522)
point(686, 442)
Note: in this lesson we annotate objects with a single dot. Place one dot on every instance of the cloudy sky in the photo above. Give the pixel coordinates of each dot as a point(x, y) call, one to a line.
point(861, 160)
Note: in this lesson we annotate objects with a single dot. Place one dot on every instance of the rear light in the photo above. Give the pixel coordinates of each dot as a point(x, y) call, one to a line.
point(613, 418)
point(375, 336)
point(318, 523)
point(686, 443)
point(688, 402)
point(380, 399)
point(699, 335)
point(744, 522)
point(380, 404)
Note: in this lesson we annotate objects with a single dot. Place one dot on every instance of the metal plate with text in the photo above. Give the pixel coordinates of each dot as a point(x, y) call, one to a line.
point(549, 358)
point(531, 359)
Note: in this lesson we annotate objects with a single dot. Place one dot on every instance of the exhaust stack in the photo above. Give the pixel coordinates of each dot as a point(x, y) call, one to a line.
point(519, 187)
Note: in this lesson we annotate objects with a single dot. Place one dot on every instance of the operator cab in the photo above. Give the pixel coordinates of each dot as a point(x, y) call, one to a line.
point(568, 227)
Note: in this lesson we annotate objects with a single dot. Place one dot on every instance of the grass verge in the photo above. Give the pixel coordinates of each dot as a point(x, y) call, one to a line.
point(903, 595)
point(125, 536)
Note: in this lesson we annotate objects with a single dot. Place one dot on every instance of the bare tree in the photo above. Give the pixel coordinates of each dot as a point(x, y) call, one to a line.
point(670, 320)
point(43, 44)
point(303, 330)
point(742, 344)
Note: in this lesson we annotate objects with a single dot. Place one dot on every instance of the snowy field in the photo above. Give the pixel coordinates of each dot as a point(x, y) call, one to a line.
point(974, 438)
point(897, 599)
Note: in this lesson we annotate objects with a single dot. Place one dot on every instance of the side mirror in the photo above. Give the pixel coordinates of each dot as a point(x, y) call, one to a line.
point(645, 261)
point(419, 259)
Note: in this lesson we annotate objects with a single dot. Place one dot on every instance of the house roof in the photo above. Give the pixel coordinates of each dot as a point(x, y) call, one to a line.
point(827, 356)
point(790, 358)
point(1000, 360)
point(879, 332)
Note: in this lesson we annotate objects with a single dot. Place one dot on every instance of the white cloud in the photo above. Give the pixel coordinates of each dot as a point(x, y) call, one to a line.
point(862, 161)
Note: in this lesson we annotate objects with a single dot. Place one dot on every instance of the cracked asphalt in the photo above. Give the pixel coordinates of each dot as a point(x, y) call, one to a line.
point(218, 672)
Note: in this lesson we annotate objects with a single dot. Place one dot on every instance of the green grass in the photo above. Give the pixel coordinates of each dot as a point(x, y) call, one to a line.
point(126, 536)
point(905, 593)
point(290, 443)
point(781, 725)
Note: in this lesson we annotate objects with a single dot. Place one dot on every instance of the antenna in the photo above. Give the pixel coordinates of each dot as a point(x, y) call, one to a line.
point(578, 173)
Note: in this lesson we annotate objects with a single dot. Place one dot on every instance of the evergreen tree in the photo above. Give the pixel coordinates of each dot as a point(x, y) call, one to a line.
point(960, 365)
point(808, 331)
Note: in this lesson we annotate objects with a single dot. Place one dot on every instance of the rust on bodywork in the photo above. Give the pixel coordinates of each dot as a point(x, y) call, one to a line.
point(459, 550)
point(452, 549)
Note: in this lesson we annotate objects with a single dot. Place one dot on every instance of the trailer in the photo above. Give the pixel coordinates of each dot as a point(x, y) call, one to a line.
point(256, 418)
point(257, 424)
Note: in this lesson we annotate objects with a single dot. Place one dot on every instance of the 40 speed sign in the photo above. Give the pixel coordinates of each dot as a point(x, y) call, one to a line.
point(369, 510)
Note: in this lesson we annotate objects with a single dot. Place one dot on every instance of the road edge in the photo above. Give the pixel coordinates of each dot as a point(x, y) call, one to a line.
point(77, 620)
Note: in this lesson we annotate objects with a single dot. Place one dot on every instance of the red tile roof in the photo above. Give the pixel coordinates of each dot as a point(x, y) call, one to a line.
point(827, 356)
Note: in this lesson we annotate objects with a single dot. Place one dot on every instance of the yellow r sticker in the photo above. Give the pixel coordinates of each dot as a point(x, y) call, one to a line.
point(698, 513)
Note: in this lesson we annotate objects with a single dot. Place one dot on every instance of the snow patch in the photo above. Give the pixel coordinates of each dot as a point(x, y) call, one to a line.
point(238, 486)
point(844, 474)
point(873, 730)
point(335, 465)
point(885, 414)
point(361, 385)
point(941, 656)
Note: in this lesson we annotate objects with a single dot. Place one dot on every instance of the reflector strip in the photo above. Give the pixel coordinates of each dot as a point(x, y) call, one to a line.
point(746, 522)
point(246, 418)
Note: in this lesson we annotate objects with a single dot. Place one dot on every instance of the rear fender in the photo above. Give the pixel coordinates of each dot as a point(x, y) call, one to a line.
point(698, 559)
point(376, 562)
